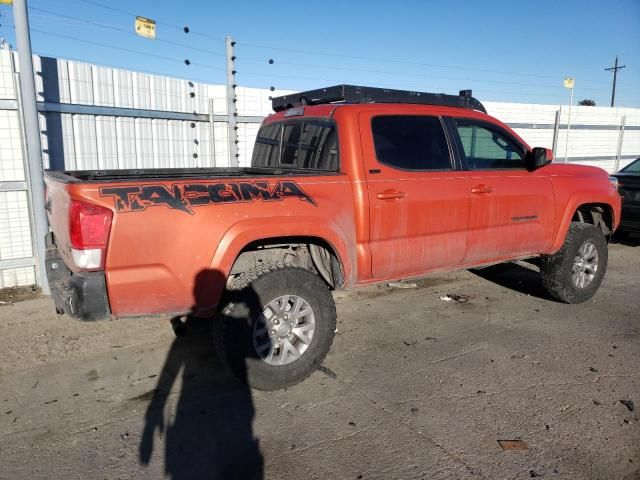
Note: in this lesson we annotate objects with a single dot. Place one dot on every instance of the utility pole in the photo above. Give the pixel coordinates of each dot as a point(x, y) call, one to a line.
point(231, 103)
point(614, 69)
point(32, 134)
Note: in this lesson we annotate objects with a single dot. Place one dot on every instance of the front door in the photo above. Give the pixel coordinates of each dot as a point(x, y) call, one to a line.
point(512, 209)
point(419, 202)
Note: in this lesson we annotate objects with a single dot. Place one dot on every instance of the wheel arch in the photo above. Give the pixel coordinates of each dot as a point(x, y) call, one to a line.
point(312, 253)
point(283, 230)
point(595, 210)
point(599, 214)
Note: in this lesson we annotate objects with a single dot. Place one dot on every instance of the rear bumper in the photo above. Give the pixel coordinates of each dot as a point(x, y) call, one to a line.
point(79, 295)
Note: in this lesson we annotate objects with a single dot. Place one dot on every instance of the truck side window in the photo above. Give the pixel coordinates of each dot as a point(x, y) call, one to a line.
point(309, 144)
point(411, 142)
point(487, 148)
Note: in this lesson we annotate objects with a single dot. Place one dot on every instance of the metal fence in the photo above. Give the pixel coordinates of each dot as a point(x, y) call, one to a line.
point(17, 260)
point(97, 117)
point(605, 137)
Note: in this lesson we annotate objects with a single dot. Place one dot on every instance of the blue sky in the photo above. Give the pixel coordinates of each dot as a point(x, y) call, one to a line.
point(504, 50)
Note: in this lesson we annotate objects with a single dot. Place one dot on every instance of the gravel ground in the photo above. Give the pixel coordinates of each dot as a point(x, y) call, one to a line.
point(415, 387)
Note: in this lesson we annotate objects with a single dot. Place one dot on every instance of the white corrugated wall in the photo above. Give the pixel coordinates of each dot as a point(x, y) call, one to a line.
point(79, 142)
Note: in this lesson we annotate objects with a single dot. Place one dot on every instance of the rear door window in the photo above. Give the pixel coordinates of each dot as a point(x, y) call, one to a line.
point(411, 142)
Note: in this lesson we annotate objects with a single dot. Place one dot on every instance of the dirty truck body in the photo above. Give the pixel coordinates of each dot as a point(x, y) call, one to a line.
point(348, 186)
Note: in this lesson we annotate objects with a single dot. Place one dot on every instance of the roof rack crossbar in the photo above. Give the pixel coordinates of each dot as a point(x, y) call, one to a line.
point(358, 94)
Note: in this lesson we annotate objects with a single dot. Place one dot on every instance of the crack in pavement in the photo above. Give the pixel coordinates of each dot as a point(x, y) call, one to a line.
point(506, 390)
point(460, 354)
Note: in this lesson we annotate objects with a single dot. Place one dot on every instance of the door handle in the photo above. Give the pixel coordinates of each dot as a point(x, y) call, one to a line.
point(481, 189)
point(390, 195)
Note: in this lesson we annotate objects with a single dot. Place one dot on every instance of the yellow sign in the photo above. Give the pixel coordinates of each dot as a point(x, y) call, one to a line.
point(569, 82)
point(6, 2)
point(145, 27)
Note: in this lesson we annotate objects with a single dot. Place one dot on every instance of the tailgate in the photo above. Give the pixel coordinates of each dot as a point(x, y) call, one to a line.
point(75, 250)
point(57, 200)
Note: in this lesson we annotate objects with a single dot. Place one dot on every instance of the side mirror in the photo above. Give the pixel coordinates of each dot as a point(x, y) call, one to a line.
point(538, 158)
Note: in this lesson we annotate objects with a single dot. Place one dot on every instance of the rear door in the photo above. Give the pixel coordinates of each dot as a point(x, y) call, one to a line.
point(419, 202)
point(511, 209)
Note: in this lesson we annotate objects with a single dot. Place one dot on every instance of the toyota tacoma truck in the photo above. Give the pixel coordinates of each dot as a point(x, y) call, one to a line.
point(348, 186)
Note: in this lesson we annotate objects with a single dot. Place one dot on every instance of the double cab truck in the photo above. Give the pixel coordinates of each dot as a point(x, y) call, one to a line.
point(348, 186)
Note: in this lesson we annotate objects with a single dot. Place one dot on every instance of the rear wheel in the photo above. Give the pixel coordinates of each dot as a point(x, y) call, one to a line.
point(575, 272)
point(277, 329)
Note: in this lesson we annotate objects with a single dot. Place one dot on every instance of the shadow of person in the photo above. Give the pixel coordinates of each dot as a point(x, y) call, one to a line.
point(207, 432)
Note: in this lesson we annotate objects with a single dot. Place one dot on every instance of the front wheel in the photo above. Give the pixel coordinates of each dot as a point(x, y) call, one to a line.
point(275, 331)
point(575, 272)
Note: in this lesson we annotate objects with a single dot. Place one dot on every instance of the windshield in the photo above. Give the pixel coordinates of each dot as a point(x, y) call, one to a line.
point(633, 167)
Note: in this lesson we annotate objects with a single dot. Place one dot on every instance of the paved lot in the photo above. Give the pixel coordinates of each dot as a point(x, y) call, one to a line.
point(415, 387)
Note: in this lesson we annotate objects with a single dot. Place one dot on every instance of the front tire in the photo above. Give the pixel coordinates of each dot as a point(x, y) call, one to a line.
point(575, 272)
point(277, 329)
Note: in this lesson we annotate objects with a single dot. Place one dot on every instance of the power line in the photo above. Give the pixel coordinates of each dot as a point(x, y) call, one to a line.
point(413, 87)
point(129, 50)
point(293, 50)
point(119, 29)
point(184, 29)
point(403, 62)
point(376, 59)
point(406, 74)
point(208, 81)
point(120, 67)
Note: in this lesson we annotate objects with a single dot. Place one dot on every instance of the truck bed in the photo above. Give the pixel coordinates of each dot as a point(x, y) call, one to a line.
point(177, 174)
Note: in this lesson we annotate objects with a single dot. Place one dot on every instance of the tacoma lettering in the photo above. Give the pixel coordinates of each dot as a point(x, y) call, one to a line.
point(185, 196)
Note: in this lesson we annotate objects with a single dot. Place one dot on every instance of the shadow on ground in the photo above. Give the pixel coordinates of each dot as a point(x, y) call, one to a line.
point(517, 277)
point(627, 239)
point(207, 432)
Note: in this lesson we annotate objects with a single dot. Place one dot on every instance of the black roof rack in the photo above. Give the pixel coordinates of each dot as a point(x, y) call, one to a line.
point(357, 94)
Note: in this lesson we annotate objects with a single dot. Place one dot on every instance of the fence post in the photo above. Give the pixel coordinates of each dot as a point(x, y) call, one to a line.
point(231, 103)
point(212, 127)
point(32, 138)
point(566, 145)
point(620, 138)
point(556, 128)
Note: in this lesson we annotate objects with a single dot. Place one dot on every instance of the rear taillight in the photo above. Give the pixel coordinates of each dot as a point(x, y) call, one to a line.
point(89, 227)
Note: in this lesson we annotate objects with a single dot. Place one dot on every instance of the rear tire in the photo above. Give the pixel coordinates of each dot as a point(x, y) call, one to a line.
point(276, 330)
point(575, 272)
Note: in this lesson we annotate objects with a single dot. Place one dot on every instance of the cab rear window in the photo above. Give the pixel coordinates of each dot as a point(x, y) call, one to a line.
point(306, 144)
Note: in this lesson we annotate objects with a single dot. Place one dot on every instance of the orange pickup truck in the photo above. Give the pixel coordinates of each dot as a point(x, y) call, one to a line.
point(348, 186)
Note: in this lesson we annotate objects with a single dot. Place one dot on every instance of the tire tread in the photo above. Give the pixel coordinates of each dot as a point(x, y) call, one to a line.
point(555, 268)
